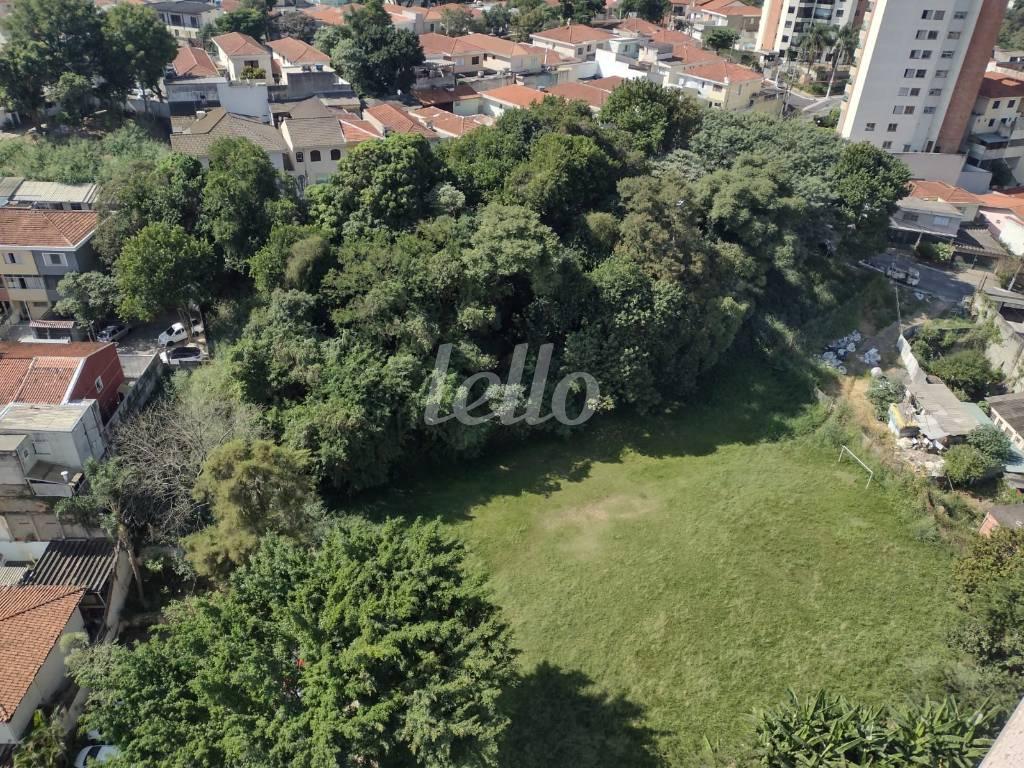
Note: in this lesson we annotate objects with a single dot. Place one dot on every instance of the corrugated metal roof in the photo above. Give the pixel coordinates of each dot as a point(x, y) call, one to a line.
point(74, 562)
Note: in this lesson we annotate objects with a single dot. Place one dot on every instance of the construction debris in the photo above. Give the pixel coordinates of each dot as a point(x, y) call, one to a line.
point(837, 351)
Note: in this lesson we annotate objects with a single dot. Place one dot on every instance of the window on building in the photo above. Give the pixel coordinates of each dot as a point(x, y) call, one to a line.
point(953, 36)
point(475, 61)
point(960, 15)
point(921, 73)
point(335, 154)
point(929, 110)
point(903, 92)
point(915, 91)
point(10, 258)
point(927, 34)
point(99, 384)
point(948, 54)
point(996, 103)
point(940, 73)
point(903, 109)
point(991, 123)
point(839, 13)
point(886, 145)
point(892, 127)
point(1011, 104)
point(909, 72)
point(869, 127)
point(41, 447)
point(300, 157)
point(934, 91)
point(941, 221)
point(54, 259)
point(906, 147)
point(908, 216)
point(314, 156)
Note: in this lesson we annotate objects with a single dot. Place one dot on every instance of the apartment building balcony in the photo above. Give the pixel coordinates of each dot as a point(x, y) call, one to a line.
point(1002, 144)
point(33, 295)
point(25, 265)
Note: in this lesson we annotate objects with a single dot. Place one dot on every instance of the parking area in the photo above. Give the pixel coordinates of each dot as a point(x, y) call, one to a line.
point(142, 339)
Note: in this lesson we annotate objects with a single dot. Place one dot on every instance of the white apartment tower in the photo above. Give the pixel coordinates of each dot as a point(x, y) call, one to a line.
point(784, 21)
point(918, 71)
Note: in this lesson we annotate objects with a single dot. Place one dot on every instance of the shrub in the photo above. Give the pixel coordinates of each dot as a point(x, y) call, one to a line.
point(992, 442)
point(992, 625)
point(990, 559)
point(940, 252)
point(829, 731)
point(965, 464)
point(882, 392)
point(967, 370)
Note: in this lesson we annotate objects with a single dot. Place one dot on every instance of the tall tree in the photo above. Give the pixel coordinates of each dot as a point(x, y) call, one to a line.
point(161, 268)
point(252, 489)
point(654, 119)
point(46, 39)
point(297, 25)
point(651, 10)
point(376, 57)
point(248, 21)
point(89, 297)
point(719, 39)
point(815, 42)
point(378, 647)
point(240, 186)
point(138, 43)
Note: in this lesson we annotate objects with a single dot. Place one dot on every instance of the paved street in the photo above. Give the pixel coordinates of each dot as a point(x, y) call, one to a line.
point(949, 285)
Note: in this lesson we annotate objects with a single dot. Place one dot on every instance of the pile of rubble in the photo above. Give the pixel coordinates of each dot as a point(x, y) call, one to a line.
point(872, 357)
point(837, 351)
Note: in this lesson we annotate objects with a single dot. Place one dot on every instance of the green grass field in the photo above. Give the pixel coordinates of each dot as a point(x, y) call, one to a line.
point(664, 577)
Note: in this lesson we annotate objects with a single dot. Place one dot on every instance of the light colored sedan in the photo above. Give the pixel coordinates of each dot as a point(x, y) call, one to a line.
point(180, 355)
point(95, 755)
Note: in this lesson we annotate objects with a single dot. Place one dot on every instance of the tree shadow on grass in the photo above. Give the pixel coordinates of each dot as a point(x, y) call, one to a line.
point(745, 401)
point(560, 718)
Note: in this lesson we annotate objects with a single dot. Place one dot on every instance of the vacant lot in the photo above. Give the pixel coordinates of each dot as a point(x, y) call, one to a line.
point(666, 576)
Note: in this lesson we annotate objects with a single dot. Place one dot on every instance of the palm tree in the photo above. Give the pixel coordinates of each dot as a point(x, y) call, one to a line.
point(815, 42)
point(843, 49)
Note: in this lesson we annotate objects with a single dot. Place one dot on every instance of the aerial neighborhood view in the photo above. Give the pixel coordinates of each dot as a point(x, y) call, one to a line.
point(512, 384)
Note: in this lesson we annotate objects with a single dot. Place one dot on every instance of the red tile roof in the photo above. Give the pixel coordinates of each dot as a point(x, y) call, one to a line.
point(730, 8)
point(721, 70)
point(672, 37)
point(441, 45)
point(32, 620)
point(447, 123)
point(429, 97)
point(497, 46)
point(996, 85)
point(391, 119)
point(194, 62)
point(594, 97)
point(607, 83)
point(573, 34)
point(514, 95)
point(298, 51)
point(237, 44)
point(940, 190)
point(689, 55)
point(41, 228)
point(354, 129)
point(638, 25)
point(330, 15)
point(41, 373)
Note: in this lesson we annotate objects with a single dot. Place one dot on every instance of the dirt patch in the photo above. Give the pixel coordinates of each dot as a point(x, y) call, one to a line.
point(616, 507)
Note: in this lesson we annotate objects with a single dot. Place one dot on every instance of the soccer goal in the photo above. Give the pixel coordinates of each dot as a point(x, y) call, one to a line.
point(844, 451)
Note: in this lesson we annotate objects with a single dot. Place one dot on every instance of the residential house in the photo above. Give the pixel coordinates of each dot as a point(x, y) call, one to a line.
point(1003, 213)
point(330, 15)
point(315, 141)
point(38, 247)
point(101, 568)
point(50, 195)
point(451, 55)
point(573, 41)
point(195, 139)
point(304, 70)
point(506, 56)
point(185, 18)
point(592, 92)
point(33, 619)
point(422, 19)
point(496, 101)
point(1007, 413)
point(1002, 516)
point(448, 125)
point(461, 99)
point(701, 16)
point(996, 130)
point(193, 82)
point(238, 54)
point(387, 118)
point(934, 210)
point(722, 84)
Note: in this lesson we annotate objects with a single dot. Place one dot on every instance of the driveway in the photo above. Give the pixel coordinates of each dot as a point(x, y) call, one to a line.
point(946, 284)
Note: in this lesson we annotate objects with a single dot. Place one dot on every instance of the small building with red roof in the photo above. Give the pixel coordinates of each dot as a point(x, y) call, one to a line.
point(573, 41)
point(238, 53)
point(496, 101)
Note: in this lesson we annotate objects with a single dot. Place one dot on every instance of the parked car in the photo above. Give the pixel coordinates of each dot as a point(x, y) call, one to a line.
point(96, 754)
point(180, 355)
point(176, 333)
point(113, 332)
point(909, 275)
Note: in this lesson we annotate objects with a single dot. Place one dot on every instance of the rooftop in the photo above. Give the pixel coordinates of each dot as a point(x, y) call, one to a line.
point(729, 8)
point(217, 123)
point(189, 7)
point(573, 34)
point(940, 190)
point(721, 71)
point(1009, 408)
point(28, 191)
point(41, 228)
point(514, 95)
point(354, 129)
point(84, 563)
point(500, 47)
point(42, 417)
point(594, 96)
point(298, 52)
point(997, 85)
point(238, 44)
point(32, 620)
point(435, 44)
point(312, 132)
point(388, 118)
point(639, 26)
point(194, 62)
point(330, 15)
point(448, 124)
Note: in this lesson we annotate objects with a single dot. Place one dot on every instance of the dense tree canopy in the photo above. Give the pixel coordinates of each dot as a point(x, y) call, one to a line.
point(378, 647)
point(375, 56)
